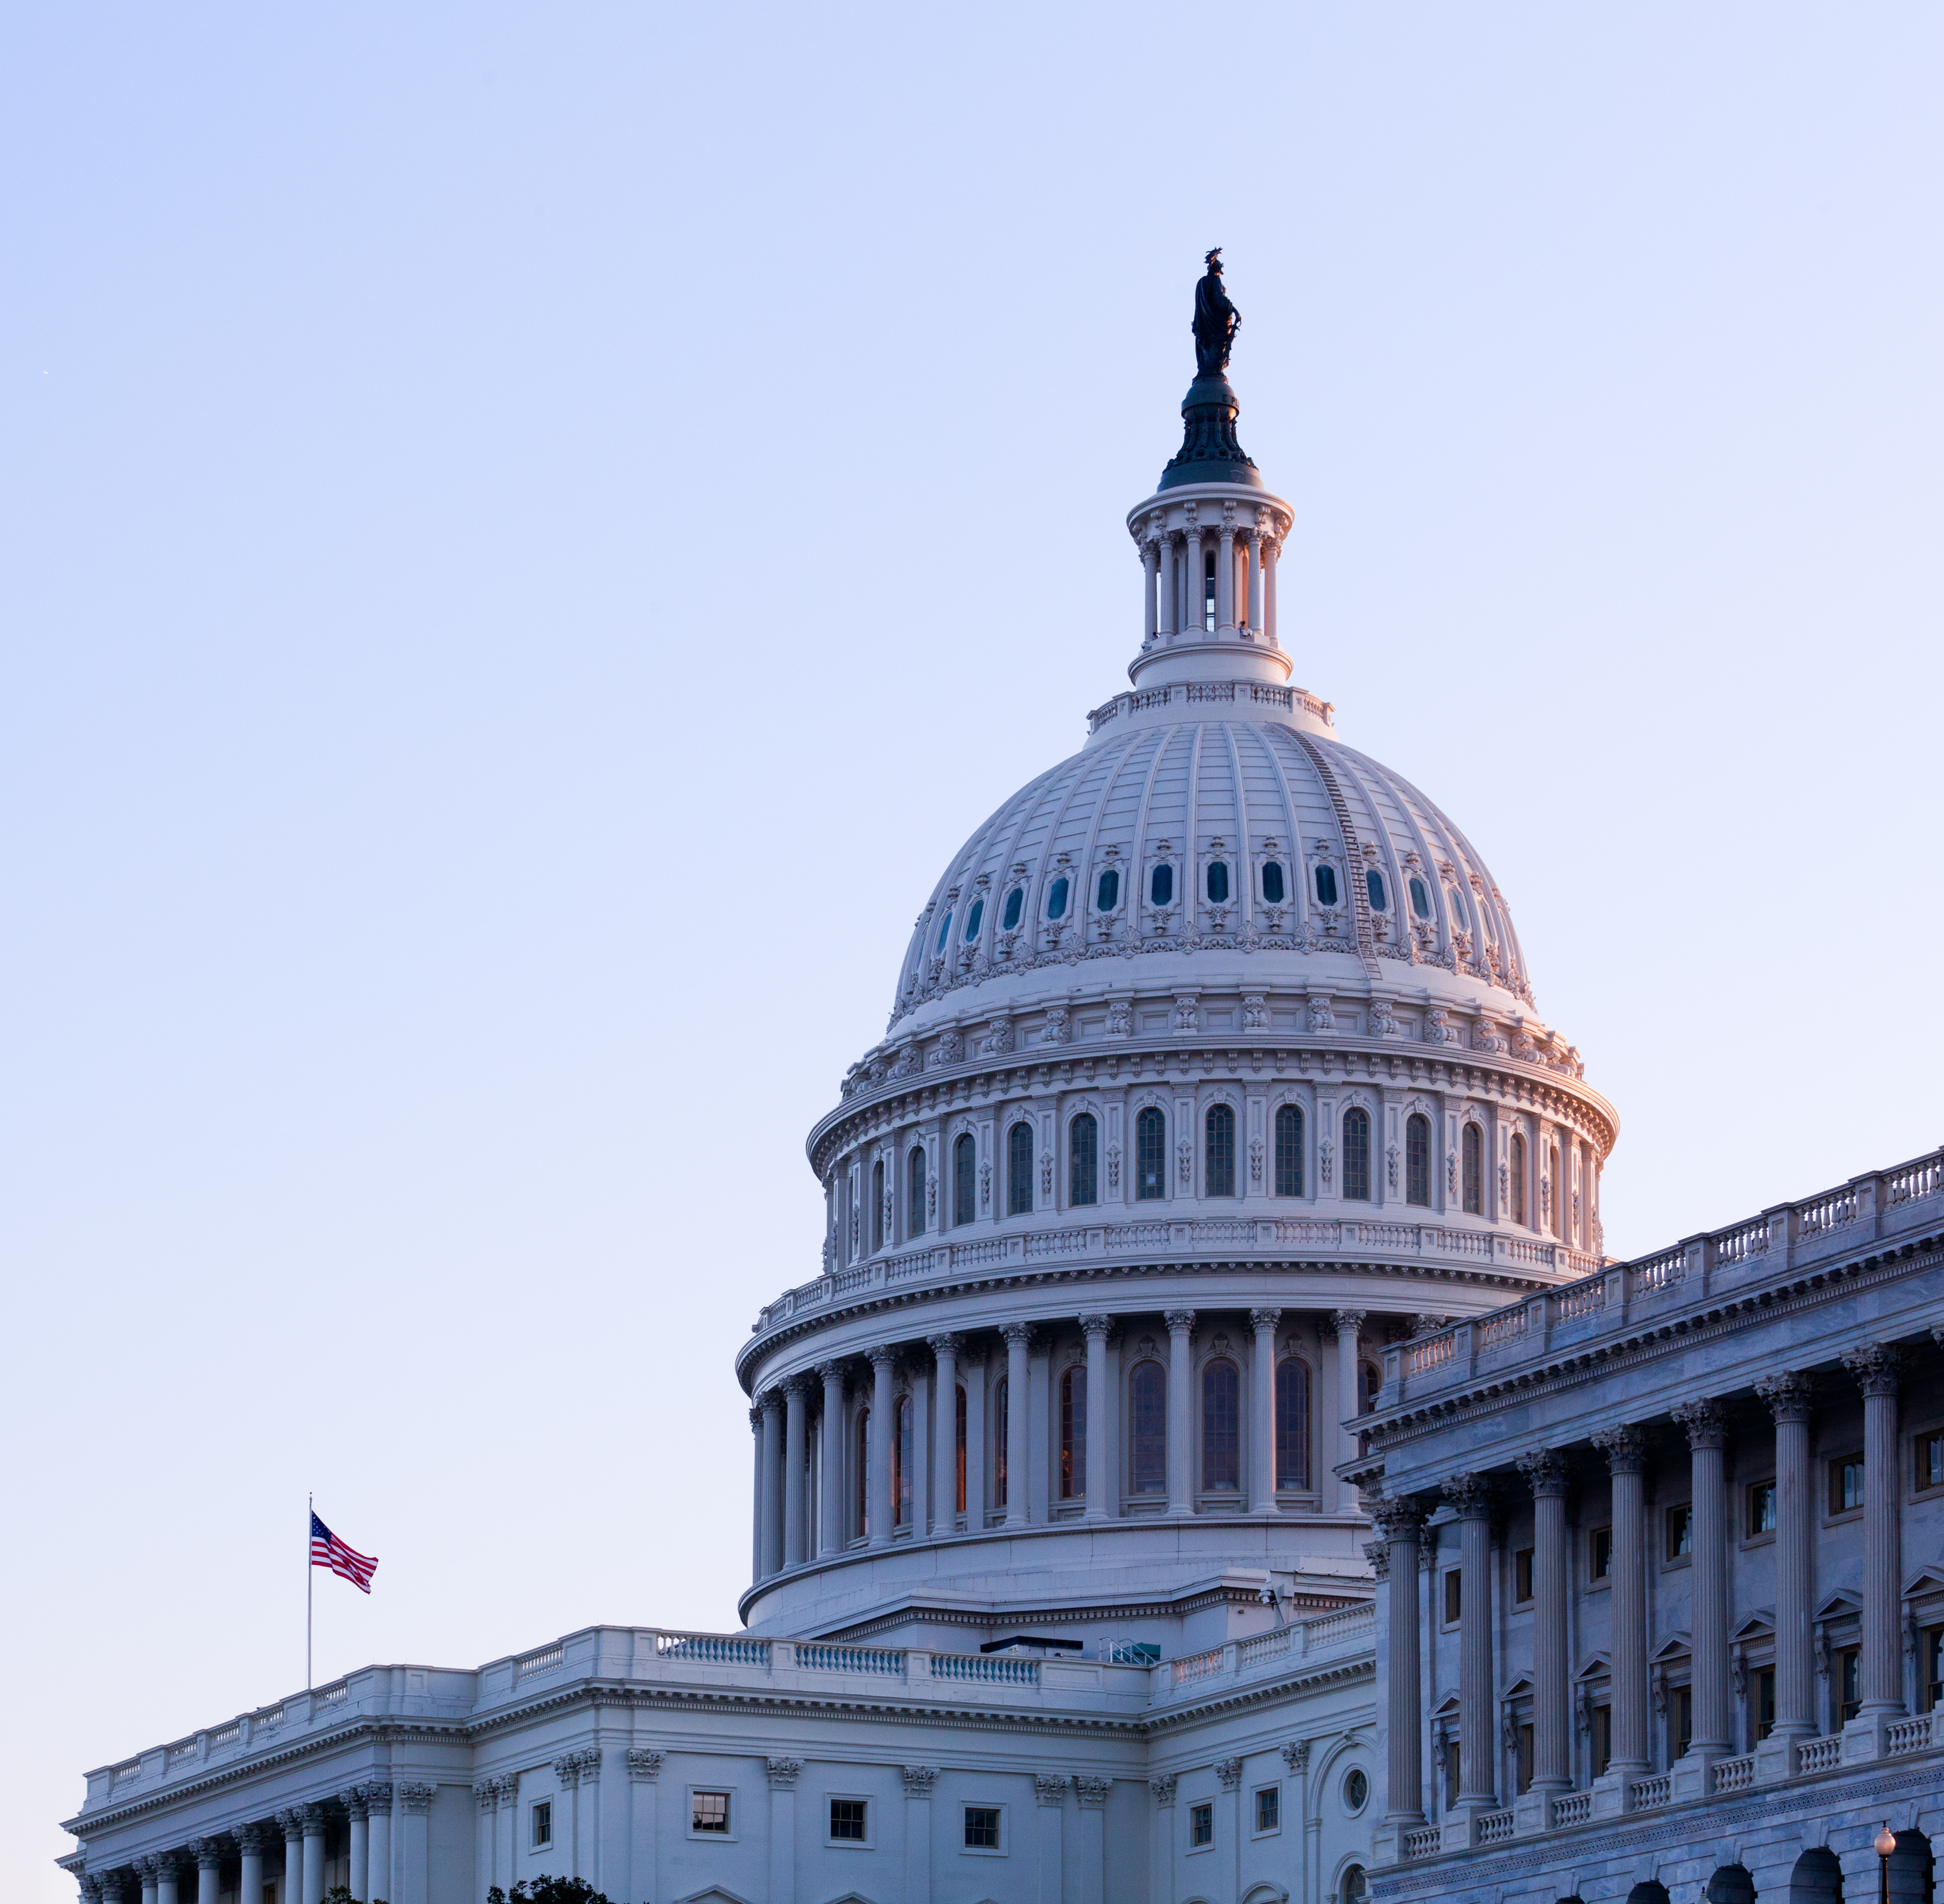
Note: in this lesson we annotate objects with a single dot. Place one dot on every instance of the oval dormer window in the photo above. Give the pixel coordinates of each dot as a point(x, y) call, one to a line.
point(1055, 900)
point(1326, 885)
point(1420, 899)
point(944, 932)
point(1010, 919)
point(1161, 887)
point(1374, 884)
point(1218, 882)
point(1108, 895)
point(1272, 887)
point(972, 919)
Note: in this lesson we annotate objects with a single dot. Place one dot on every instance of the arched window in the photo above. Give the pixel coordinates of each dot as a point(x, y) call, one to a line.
point(1357, 1155)
point(901, 1461)
point(1272, 885)
point(958, 1464)
point(944, 933)
point(1208, 592)
point(964, 1161)
point(1292, 1424)
point(1472, 1170)
point(1218, 882)
point(1073, 1433)
point(1374, 884)
point(1083, 1160)
point(1326, 885)
point(1417, 1160)
point(915, 1191)
point(1161, 886)
point(1370, 1379)
point(1218, 1163)
point(1517, 1173)
point(863, 1471)
point(972, 919)
point(1558, 1195)
point(877, 1204)
point(1420, 899)
point(1002, 1416)
point(1221, 1427)
point(1147, 1430)
point(1107, 894)
point(1055, 897)
point(1009, 920)
point(1150, 1155)
point(1353, 1889)
point(1289, 1150)
point(1018, 1169)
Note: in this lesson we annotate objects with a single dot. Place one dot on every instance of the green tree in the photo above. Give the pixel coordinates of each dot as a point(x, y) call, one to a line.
point(548, 1890)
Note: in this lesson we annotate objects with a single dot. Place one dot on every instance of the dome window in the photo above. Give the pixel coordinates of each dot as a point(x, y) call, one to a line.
point(1010, 919)
point(1150, 1156)
point(944, 932)
point(1161, 887)
point(1272, 885)
point(1420, 899)
point(1356, 1155)
point(1083, 1160)
point(1056, 899)
point(1107, 894)
point(1374, 884)
point(972, 919)
point(1218, 882)
point(1326, 885)
point(1208, 592)
point(1417, 1160)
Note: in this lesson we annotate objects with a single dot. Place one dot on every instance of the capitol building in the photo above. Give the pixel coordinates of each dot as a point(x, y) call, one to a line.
point(1217, 1462)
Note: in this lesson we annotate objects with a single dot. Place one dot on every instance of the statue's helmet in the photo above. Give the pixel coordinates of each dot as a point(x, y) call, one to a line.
point(1213, 259)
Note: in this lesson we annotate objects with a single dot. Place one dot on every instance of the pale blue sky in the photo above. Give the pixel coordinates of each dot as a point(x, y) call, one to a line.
point(527, 536)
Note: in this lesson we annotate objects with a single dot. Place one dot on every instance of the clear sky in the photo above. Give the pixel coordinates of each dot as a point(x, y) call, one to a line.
point(528, 535)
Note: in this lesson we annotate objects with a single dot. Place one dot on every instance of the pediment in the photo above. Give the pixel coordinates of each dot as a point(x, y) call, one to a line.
point(1265, 1894)
point(1676, 1646)
point(853, 1897)
point(1446, 1708)
point(1759, 1624)
point(1520, 1686)
point(1599, 1667)
point(716, 1894)
point(1838, 1606)
point(1926, 1579)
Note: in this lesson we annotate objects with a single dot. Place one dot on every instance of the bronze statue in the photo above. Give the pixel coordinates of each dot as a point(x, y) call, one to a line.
point(1216, 320)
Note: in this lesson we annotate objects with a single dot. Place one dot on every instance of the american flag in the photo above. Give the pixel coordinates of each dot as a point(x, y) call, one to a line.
point(326, 1550)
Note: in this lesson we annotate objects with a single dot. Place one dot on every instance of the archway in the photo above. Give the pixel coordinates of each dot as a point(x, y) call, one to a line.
point(1817, 1878)
point(1910, 1869)
point(1652, 1892)
point(1731, 1884)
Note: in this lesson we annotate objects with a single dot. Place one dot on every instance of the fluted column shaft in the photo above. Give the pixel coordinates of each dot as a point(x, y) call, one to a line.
point(1256, 582)
point(1471, 1496)
point(756, 1495)
point(1261, 1469)
point(1018, 1338)
point(1788, 1397)
point(1225, 580)
point(1151, 560)
point(1881, 1681)
point(378, 1825)
point(1195, 613)
point(830, 1530)
point(1551, 1734)
point(250, 1883)
point(945, 1445)
point(1349, 1401)
point(291, 1890)
point(796, 1449)
point(1403, 1523)
point(1714, 1701)
point(1097, 1482)
point(167, 1879)
point(1627, 1459)
point(1180, 1411)
point(772, 1483)
point(313, 1859)
point(360, 1847)
point(1165, 619)
point(884, 1365)
point(1270, 556)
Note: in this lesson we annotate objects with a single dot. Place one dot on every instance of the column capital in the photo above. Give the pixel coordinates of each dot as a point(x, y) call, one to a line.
point(1470, 1496)
point(1229, 1771)
point(207, 1852)
point(771, 1398)
point(352, 1799)
point(1180, 1322)
point(644, 1763)
point(1095, 1327)
point(378, 1796)
point(1875, 1366)
point(1378, 1553)
point(784, 1773)
point(1017, 1335)
point(1790, 1395)
point(1264, 1321)
point(1050, 1788)
point(1295, 1755)
point(1162, 1786)
point(417, 1798)
point(756, 1416)
point(830, 1371)
point(1706, 1422)
point(486, 1794)
point(1093, 1793)
point(919, 1779)
point(290, 1820)
point(314, 1820)
point(801, 1383)
point(1401, 1517)
point(942, 1345)
point(1624, 1448)
point(250, 1839)
point(882, 1355)
point(1546, 1471)
point(1348, 1322)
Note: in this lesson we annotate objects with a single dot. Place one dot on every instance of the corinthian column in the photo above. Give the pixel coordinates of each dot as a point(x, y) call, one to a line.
point(944, 1443)
point(1470, 1496)
point(1874, 1367)
point(1552, 1739)
point(378, 1832)
point(352, 1800)
point(1099, 1483)
point(1180, 1410)
point(250, 1840)
point(1018, 1338)
point(796, 1442)
point(1261, 1468)
point(1788, 1396)
point(1350, 1401)
point(883, 1365)
point(830, 1521)
point(1713, 1706)
point(1402, 1522)
point(772, 1405)
point(1626, 1460)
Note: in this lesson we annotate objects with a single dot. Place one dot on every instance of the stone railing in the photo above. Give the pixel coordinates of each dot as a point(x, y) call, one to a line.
point(985, 1669)
point(1819, 1754)
point(814, 1658)
point(1422, 1842)
point(1651, 1794)
point(1735, 1774)
point(1287, 699)
point(1789, 1237)
point(1571, 1808)
point(1902, 1736)
point(713, 1649)
point(1495, 1827)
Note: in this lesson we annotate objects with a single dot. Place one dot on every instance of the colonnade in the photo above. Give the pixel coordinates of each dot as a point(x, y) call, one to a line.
point(1625, 1450)
point(800, 1445)
point(1175, 560)
point(198, 1869)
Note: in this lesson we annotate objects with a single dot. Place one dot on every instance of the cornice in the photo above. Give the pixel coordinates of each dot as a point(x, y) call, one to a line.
point(1358, 1667)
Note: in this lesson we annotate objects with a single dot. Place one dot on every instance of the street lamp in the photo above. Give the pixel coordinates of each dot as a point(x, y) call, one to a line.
point(1886, 1842)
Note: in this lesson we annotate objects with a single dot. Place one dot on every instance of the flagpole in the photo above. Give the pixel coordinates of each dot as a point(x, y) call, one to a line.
point(310, 1510)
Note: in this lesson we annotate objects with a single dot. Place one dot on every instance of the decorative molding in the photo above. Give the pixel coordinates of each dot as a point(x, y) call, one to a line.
point(1093, 1793)
point(1229, 1771)
point(1706, 1422)
point(919, 1779)
point(1547, 1471)
point(1790, 1395)
point(784, 1773)
point(1049, 1790)
point(1296, 1755)
point(1470, 1495)
point(1162, 1786)
point(1624, 1448)
point(415, 1799)
point(1875, 1366)
point(644, 1763)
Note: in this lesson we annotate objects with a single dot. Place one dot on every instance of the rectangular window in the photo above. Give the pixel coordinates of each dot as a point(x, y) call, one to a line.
point(543, 1825)
point(1268, 1808)
point(1600, 1554)
point(1764, 1702)
point(1846, 1484)
point(708, 1811)
point(1525, 1755)
point(1200, 1825)
point(1522, 1575)
point(1083, 1162)
point(1150, 1156)
point(1453, 1764)
point(1847, 1670)
point(1931, 1661)
point(1681, 1714)
point(1454, 1596)
point(1603, 1740)
point(982, 1828)
point(847, 1821)
point(1289, 1150)
point(1761, 1508)
point(1930, 1461)
point(1680, 1531)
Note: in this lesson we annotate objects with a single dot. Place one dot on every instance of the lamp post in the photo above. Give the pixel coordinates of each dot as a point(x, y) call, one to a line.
point(1886, 1842)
